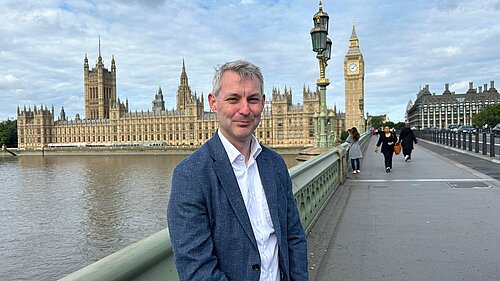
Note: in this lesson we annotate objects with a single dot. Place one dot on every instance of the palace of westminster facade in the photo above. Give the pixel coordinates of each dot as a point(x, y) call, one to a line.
point(108, 121)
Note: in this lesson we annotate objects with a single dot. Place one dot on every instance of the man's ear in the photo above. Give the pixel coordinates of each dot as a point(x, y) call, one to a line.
point(212, 102)
point(263, 100)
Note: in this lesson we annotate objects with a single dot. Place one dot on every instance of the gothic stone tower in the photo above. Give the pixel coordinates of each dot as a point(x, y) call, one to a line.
point(354, 75)
point(183, 92)
point(192, 105)
point(99, 88)
point(158, 102)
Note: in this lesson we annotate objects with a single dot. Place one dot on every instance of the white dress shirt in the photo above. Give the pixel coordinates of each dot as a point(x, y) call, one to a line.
point(248, 177)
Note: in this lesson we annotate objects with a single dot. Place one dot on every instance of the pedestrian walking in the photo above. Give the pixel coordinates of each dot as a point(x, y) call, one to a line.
point(387, 139)
point(355, 150)
point(407, 139)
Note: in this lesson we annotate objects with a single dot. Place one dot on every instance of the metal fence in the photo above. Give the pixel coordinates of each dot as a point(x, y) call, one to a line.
point(479, 142)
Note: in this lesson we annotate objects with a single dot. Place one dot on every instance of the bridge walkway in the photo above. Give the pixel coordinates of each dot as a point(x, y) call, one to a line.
point(429, 219)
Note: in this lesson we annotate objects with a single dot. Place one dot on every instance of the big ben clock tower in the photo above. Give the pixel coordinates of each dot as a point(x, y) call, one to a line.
point(354, 75)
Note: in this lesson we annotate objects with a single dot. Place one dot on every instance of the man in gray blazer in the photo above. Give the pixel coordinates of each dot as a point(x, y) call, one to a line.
point(231, 213)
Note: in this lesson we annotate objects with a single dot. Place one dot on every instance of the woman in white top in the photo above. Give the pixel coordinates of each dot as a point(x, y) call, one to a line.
point(355, 150)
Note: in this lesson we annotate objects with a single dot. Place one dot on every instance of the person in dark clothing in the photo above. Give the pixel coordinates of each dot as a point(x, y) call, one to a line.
point(407, 138)
point(387, 139)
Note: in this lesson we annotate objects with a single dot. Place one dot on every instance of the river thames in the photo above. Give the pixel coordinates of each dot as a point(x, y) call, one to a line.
point(61, 213)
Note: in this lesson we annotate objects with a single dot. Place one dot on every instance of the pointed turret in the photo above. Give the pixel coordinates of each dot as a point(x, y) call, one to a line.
point(354, 36)
point(353, 42)
point(158, 102)
point(62, 115)
point(113, 65)
point(183, 92)
point(99, 58)
point(86, 62)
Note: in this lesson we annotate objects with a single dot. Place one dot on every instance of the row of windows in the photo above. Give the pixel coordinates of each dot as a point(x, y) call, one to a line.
point(158, 137)
point(461, 104)
point(94, 93)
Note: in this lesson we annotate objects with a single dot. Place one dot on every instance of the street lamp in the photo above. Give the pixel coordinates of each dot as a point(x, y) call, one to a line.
point(361, 108)
point(322, 46)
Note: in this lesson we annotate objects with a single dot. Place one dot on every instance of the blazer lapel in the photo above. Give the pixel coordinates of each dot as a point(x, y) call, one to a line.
point(225, 173)
point(267, 178)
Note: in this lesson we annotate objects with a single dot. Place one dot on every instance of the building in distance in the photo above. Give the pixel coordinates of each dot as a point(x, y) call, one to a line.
point(108, 121)
point(440, 111)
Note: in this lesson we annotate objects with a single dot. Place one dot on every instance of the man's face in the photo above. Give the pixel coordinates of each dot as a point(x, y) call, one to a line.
point(238, 107)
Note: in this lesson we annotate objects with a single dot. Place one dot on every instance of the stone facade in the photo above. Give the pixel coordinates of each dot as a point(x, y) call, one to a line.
point(108, 121)
point(354, 76)
point(431, 110)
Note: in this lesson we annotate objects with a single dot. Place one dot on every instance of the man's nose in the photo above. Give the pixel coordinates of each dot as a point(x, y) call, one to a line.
point(244, 107)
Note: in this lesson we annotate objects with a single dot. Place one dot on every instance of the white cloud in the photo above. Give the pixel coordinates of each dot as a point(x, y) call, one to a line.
point(378, 73)
point(7, 79)
point(459, 87)
point(446, 52)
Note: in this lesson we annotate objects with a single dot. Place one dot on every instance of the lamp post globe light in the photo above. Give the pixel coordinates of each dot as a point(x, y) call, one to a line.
point(322, 46)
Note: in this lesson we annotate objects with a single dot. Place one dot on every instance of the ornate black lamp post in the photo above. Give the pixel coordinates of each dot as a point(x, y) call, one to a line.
point(322, 46)
point(361, 108)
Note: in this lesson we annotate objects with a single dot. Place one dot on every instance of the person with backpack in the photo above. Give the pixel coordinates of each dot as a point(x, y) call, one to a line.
point(407, 138)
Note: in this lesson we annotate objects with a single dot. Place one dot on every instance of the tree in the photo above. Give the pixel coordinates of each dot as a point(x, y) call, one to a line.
point(487, 115)
point(8, 133)
point(344, 135)
point(389, 124)
point(376, 122)
point(399, 126)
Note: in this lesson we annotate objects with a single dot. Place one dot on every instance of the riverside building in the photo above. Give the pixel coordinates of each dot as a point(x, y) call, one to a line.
point(432, 110)
point(108, 121)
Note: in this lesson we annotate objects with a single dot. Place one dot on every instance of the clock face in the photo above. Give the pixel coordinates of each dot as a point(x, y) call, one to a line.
point(352, 67)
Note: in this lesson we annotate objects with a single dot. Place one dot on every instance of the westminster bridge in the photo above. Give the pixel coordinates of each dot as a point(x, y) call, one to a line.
point(432, 218)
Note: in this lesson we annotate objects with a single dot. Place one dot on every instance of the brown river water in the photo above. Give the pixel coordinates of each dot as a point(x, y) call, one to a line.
point(61, 213)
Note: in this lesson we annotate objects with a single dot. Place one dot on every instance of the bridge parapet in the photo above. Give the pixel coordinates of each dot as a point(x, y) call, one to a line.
point(314, 182)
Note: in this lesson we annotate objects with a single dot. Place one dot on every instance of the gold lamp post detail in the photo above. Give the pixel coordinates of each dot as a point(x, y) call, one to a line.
point(322, 46)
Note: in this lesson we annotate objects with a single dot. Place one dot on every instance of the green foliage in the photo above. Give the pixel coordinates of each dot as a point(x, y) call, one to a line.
point(399, 126)
point(8, 133)
point(344, 135)
point(376, 122)
point(487, 115)
point(389, 124)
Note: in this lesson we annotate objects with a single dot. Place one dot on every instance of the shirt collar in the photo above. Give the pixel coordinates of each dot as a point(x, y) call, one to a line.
point(233, 153)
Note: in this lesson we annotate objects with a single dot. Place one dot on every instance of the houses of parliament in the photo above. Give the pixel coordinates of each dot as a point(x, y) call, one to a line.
point(108, 121)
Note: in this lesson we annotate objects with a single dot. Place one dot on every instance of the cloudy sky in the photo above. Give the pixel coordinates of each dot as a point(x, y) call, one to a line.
point(405, 44)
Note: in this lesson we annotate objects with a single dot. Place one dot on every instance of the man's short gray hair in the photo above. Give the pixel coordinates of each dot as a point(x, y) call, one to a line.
point(245, 69)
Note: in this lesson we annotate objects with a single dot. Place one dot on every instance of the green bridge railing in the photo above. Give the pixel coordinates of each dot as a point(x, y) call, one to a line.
point(314, 182)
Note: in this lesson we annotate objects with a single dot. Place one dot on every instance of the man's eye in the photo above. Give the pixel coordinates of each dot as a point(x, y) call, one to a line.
point(232, 100)
point(254, 100)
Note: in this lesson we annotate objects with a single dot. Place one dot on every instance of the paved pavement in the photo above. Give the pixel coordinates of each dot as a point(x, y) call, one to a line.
point(476, 161)
point(429, 219)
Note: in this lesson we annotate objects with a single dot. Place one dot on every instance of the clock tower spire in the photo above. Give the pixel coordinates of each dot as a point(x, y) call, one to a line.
point(354, 76)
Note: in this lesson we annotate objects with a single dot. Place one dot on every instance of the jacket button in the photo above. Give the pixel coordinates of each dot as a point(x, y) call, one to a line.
point(256, 267)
